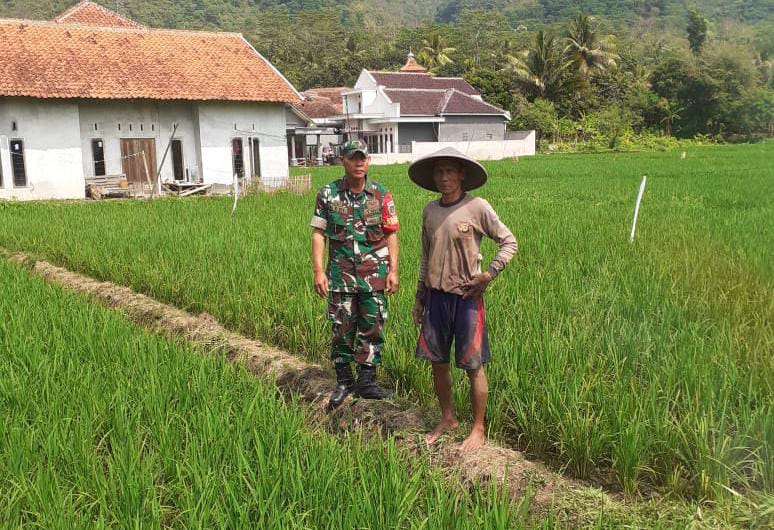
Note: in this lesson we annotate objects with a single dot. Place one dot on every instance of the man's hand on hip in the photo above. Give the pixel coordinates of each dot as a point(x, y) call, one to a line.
point(321, 283)
point(475, 288)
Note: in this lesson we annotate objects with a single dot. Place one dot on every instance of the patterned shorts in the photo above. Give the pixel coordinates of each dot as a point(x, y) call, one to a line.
point(358, 326)
point(449, 317)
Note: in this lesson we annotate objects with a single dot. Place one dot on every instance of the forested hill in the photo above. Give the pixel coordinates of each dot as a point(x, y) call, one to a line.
point(567, 69)
point(233, 14)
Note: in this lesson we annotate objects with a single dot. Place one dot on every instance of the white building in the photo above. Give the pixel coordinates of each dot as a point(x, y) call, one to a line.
point(93, 93)
point(410, 113)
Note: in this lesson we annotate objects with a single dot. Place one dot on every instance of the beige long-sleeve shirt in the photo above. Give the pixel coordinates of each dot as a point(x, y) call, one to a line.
point(451, 243)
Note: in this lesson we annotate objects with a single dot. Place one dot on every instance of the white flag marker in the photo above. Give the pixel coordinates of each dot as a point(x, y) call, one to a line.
point(637, 207)
point(236, 193)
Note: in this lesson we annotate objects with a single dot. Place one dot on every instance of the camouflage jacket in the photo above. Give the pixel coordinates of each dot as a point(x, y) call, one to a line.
point(356, 227)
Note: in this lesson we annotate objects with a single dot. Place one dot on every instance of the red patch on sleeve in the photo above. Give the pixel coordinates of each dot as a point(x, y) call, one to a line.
point(389, 214)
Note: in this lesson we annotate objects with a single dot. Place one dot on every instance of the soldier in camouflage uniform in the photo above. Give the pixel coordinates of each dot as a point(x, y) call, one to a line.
point(358, 219)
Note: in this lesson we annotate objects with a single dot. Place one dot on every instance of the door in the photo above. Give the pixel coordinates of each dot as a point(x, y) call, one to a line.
point(256, 160)
point(237, 158)
point(133, 164)
point(17, 163)
point(98, 156)
point(177, 159)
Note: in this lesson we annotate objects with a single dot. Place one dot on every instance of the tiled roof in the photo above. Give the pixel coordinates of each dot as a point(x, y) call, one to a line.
point(54, 60)
point(332, 93)
point(417, 102)
point(414, 102)
point(323, 102)
point(320, 108)
point(423, 81)
point(91, 14)
point(459, 103)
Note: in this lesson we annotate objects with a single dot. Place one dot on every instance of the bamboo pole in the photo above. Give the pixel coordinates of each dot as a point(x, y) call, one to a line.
point(147, 173)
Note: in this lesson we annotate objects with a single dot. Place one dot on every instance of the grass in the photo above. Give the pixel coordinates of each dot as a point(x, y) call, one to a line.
point(105, 425)
point(646, 366)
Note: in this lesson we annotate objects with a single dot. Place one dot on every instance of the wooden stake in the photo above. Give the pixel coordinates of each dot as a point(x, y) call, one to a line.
point(147, 173)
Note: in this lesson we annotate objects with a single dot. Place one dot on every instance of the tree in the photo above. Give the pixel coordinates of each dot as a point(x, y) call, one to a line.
point(495, 87)
point(614, 121)
point(755, 113)
point(434, 53)
point(480, 33)
point(587, 49)
point(697, 31)
point(540, 69)
point(539, 115)
point(671, 114)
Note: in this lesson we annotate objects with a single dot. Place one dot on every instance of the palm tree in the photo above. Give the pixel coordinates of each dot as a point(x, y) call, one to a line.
point(671, 114)
point(435, 53)
point(540, 69)
point(587, 49)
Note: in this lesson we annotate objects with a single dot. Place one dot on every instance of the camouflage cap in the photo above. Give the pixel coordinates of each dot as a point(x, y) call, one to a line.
point(349, 149)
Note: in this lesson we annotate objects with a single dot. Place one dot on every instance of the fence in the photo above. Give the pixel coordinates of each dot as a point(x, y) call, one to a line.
point(299, 184)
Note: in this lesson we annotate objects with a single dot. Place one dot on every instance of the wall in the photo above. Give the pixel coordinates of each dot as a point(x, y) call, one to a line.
point(382, 106)
point(293, 120)
point(364, 80)
point(52, 150)
point(416, 132)
point(472, 128)
point(217, 121)
point(146, 119)
point(487, 150)
point(391, 158)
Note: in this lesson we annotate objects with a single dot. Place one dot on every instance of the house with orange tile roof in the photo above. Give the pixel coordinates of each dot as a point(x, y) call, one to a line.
point(92, 93)
point(317, 140)
point(398, 113)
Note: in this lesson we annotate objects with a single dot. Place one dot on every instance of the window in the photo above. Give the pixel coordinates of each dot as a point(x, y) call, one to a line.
point(237, 157)
point(177, 159)
point(17, 163)
point(256, 147)
point(98, 155)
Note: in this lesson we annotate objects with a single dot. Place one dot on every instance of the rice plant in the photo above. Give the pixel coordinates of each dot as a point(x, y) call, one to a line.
point(107, 426)
point(648, 362)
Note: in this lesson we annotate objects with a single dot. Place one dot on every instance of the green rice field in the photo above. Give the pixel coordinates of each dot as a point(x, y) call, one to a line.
point(107, 426)
point(646, 366)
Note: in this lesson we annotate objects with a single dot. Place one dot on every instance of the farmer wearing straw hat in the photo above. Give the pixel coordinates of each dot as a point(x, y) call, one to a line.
point(358, 219)
point(449, 303)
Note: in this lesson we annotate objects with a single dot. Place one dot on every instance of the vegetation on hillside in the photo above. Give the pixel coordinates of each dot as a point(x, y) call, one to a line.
point(574, 71)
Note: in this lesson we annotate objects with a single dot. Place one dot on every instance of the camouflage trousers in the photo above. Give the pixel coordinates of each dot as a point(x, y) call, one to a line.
point(358, 326)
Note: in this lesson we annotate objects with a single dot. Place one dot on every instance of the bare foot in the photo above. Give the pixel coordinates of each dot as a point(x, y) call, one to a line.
point(443, 426)
point(474, 441)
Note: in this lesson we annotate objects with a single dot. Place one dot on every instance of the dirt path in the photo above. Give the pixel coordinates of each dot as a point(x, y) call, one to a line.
point(574, 503)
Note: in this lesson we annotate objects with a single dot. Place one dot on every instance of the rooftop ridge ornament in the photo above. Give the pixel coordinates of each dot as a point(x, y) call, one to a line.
point(412, 66)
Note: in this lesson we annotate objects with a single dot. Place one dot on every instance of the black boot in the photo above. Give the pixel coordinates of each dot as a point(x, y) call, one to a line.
point(367, 387)
point(345, 383)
